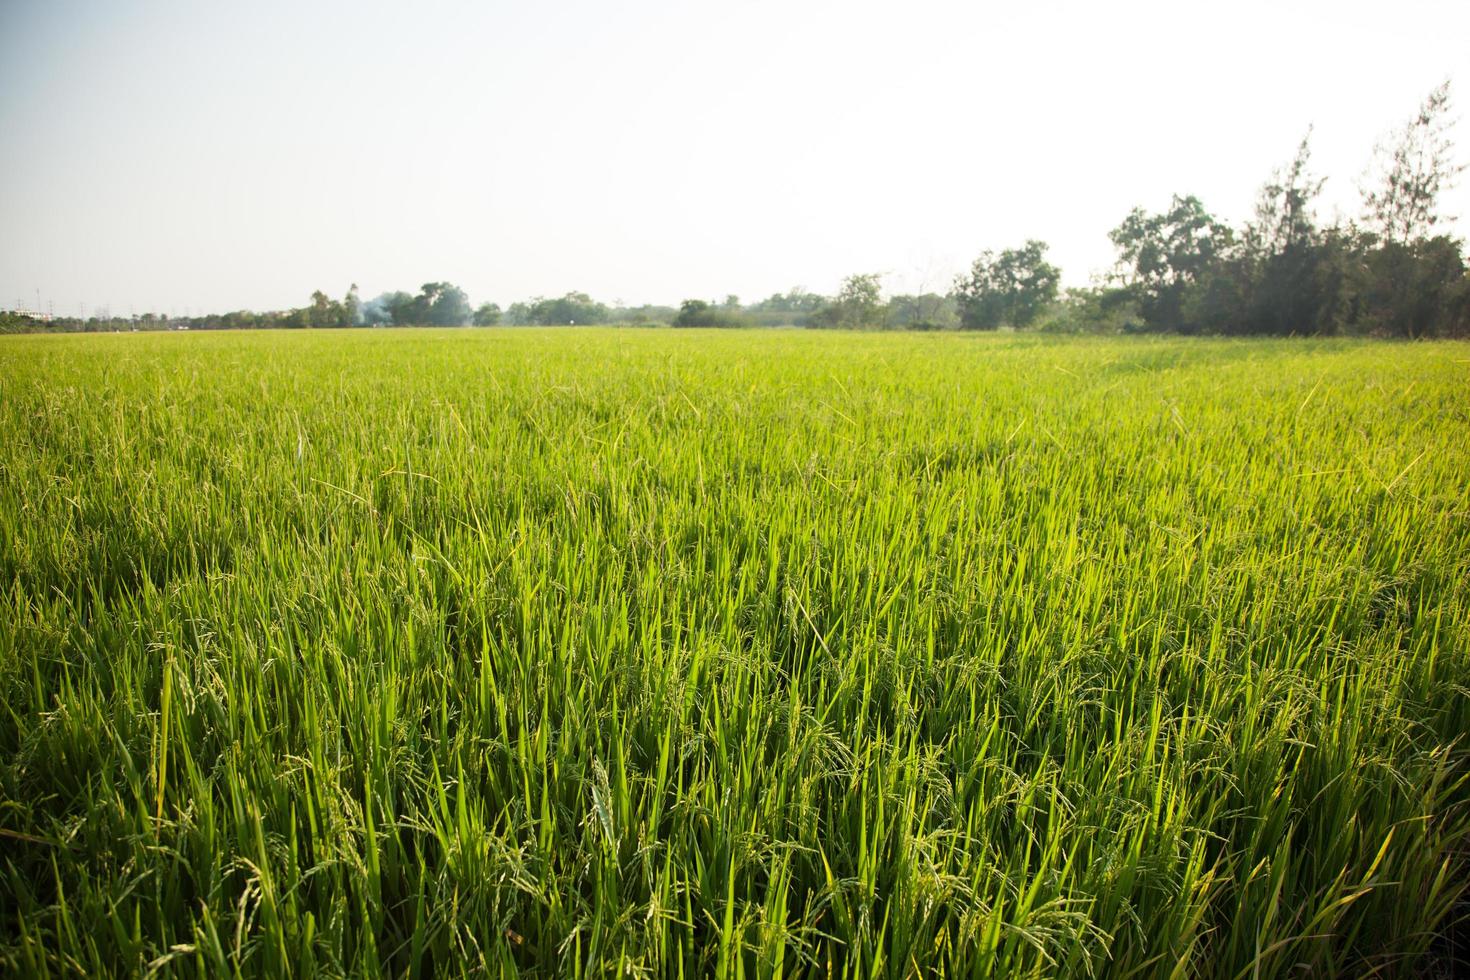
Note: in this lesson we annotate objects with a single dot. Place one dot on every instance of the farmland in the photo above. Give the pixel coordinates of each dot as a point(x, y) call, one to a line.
point(580, 652)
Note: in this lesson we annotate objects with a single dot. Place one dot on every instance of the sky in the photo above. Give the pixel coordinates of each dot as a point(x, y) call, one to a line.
point(190, 157)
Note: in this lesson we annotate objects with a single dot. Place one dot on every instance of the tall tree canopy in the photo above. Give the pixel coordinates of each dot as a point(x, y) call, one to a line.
point(1010, 288)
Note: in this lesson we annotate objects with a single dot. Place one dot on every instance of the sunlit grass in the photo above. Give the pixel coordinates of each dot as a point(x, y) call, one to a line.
point(582, 652)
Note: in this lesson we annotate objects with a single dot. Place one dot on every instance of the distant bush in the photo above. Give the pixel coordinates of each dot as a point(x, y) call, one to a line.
point(927, 311)
point(858, 306)
point(790, 309)
point(698, 313)
point(19, 323)
point(572, 308)
point(648, 315)
point(1101, 309)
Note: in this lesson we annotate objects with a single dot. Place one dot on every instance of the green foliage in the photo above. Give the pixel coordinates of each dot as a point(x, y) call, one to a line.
point(1400, 201)
point(927, 311)
point(1285, 219)
point(1098, 309)
point(1285, 274)
point(1012, 288)
point(635, 653)
point(487, 315)
point(1288, 276)
point(380, 310)
point(1418, 289)
point(518, 314)
point(858, 305)
point(790, 309)
point(326, 312)
point(11, 322)
point(698, 313)
point(438, 304)
point(648, 314)
point(1162, 255)
point(571, 309)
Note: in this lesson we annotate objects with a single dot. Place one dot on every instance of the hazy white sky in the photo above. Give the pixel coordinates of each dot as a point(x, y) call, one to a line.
point(211, 156)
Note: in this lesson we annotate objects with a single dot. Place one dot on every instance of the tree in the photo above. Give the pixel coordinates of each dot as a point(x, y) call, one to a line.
point(572, 308)
point(1400, 205)
point(646, 315)
point(398, 308)
point(797, 300)
point(1291, 275)
point(863, 294)
point(1011, 288)
point(792, 308)
point(352, 306)
point(694, 313)
point(698, 313)
point(858, 306)
point(926, 311)
point(487, 315)
point(1099, 309)
point(325, 312)
point(439, 304)
point(1161, 255)
point(1285, 207)
point(1414, 289)
point(319, 313)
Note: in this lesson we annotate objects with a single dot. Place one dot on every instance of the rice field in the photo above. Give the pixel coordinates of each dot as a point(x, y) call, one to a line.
point(586, 652)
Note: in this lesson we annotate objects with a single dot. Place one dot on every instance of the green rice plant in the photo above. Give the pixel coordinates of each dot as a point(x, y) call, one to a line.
point(573, 653)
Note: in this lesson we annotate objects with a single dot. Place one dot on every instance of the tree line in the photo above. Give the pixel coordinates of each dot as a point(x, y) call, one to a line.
point(1391, 270)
